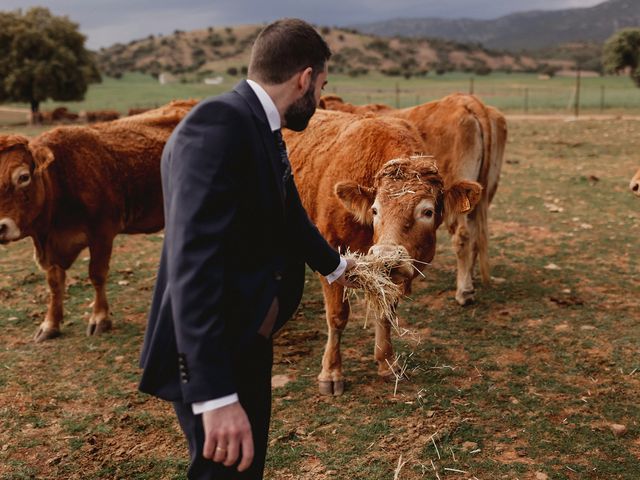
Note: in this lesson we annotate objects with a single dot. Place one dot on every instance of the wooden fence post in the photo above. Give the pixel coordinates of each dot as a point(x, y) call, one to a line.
point(576, 107)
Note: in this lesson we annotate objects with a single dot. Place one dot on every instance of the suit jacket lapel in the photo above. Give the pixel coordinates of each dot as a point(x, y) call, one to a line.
point(268, 140)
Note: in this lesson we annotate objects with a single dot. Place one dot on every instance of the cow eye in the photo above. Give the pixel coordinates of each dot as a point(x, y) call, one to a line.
point(24, 178)
point(427, 212)
point(374, 211)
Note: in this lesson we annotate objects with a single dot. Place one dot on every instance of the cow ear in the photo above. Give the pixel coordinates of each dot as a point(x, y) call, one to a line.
point(11, 141)
point(42, 156)
point(357, 200)
point(322, 104)
point(461, 197)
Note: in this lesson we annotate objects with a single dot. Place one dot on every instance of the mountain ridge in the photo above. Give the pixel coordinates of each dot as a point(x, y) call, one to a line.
point(529, 30)
point(199, 54)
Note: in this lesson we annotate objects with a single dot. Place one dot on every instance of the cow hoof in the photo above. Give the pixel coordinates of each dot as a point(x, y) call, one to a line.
point(338, 387)
point(325, 387)
point(43, 334)
point(328, 387)
point(98, 328)
point(466, 298)
point(102, 327)
point(387, 376)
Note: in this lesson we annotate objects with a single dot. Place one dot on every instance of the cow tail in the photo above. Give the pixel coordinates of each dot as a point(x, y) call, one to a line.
point(482, 222)
point(482, 208)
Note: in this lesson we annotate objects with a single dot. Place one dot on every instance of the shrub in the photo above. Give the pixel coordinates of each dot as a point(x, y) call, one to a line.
point(356, 72)
point(547, 69)
point(379, 45)
point(392, 72)
point(482, 70)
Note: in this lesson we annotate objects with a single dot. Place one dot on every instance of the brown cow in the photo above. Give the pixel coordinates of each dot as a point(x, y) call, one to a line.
point(62, 114)
point(74, 187)
point(137, 111)
point(58, 115)
point(365, 190)
point(102, 116)
point(334, 102)
point(635, 184)
point(468, 140)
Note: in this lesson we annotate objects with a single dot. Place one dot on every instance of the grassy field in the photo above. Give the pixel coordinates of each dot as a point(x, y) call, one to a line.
point(524, 384)
point(510, 92)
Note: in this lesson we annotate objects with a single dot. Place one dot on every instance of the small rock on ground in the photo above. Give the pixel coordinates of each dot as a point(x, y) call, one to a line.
point(617, 429)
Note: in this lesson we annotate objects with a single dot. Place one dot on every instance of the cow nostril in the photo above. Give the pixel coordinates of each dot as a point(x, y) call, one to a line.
point(3, 228)
point(635, 187)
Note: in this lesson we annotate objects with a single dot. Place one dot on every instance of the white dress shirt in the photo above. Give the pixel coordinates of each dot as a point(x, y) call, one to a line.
point(275, 123)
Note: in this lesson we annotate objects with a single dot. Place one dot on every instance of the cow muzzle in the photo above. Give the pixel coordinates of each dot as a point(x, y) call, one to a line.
point(9, 231)
point(635, 186)
point(403, 272)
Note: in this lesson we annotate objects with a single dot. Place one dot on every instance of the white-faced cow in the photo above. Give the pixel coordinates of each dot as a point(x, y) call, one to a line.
point(365, 189)
point(77, 187)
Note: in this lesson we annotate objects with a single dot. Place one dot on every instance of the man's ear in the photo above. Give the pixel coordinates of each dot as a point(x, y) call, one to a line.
point(461, 197)
point(304, 80)
point(357, 200)
point(42, 156)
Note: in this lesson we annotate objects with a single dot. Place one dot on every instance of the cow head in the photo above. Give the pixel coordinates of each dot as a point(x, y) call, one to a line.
point(405, 206)
point(21, 185)
point(635, 184)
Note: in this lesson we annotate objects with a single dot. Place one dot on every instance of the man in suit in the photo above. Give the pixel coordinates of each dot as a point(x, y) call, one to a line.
point(232, 265)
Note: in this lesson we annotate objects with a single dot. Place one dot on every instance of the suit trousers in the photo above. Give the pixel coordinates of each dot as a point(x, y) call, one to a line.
point(252, 374)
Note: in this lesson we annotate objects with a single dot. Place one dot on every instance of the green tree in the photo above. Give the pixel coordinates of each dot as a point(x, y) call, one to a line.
point(622, 51)
point(43, 57)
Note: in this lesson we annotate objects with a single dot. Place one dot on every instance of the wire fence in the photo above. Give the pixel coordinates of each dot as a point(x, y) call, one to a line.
point(573, 97)
point(511, 93)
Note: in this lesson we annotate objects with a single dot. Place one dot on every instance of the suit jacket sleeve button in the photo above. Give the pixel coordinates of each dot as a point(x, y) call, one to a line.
point(278, 276)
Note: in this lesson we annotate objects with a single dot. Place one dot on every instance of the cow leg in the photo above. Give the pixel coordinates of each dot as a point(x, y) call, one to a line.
point(463, 245)
point(330, 380)
point(50, 327)
point(383, 350)
point(100, 252)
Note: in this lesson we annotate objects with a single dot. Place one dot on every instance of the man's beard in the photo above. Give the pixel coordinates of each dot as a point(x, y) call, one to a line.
point(299, 113)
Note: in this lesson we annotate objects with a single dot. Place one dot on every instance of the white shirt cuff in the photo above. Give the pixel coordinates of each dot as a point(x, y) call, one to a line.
point(201, 407)
point(333, 276)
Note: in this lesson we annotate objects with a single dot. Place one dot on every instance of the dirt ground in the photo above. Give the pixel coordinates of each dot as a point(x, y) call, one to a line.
point(529, 382)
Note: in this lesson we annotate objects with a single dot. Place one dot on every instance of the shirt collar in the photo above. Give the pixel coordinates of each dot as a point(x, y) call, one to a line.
point(273, 116)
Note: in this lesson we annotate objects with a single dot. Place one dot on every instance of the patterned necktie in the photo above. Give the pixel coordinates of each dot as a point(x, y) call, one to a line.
point(284, 158)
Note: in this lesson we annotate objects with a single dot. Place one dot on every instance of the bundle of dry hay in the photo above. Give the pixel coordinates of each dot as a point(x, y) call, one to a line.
point(372, 276)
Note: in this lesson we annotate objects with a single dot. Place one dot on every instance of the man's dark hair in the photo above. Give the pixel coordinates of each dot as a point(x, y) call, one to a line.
point(286, 47)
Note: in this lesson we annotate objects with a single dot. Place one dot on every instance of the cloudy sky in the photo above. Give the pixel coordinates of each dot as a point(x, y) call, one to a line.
point(109, 21)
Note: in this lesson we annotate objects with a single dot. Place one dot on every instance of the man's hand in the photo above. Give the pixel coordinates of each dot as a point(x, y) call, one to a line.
point(342, 279)
point(227, 436)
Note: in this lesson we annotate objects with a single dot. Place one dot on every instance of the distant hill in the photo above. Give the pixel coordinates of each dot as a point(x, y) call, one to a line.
point(521, 31)
point(226, 50)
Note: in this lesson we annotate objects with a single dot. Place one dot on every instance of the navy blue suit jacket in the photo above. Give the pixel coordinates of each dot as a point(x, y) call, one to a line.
point(235, 237)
